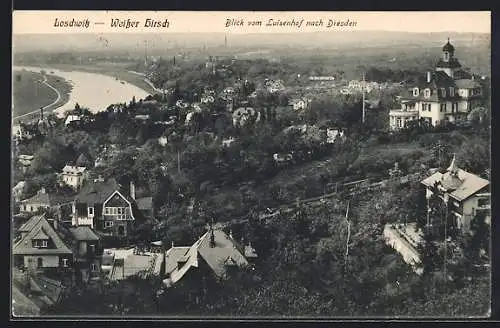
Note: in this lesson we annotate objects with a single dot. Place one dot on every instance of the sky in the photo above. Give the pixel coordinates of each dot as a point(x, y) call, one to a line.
point(42, 22)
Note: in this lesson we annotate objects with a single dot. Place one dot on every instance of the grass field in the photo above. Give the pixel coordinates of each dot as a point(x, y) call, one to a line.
point(29, 93)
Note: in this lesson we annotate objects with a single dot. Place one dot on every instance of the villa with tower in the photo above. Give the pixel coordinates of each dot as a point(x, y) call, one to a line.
point(446, 94)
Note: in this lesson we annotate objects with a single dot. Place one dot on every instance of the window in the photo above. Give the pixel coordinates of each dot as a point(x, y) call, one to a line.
point(65, 263)
point(482, 202)
point(399, 123)
point(93, 267)
point(443, 92)
point(37, 243)
point(39, 262)
point(415, 92)
point(427, 93)
point(91, 211)
point(452, 92)
point(426, 107)
point(442, 108)
point(108, 224)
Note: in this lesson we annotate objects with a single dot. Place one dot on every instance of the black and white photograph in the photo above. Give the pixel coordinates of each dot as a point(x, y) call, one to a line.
point(250, 165)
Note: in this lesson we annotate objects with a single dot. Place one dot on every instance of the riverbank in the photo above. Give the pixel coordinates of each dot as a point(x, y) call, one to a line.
point(119, 72)
point(90, 90)
point(34, 90)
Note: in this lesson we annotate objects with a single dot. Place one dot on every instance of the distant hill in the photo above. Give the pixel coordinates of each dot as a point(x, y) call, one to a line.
point(158, 43)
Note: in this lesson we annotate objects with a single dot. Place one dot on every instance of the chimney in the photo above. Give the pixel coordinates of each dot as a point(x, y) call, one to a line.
point(428, 77)
point(132, 189)
point(172, 244)
point(42, 190)
point(41, 113)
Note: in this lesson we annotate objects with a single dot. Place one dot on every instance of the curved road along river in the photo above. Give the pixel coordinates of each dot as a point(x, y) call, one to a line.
point(49, 105)
point(91, 90)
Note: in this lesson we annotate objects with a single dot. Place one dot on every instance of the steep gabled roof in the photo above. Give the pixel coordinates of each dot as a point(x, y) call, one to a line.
point(467, 84)
point(97, 192)
point(83, 233)
point(224, 253)
point(49, 199)
point(62, 245)
point(31, 223)
point(225, 247)
point(172, 256)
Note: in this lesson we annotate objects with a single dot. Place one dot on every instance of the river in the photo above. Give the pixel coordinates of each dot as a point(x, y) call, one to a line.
point(90, 90)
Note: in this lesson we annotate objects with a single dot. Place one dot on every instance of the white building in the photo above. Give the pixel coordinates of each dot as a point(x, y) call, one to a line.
point(464, 193)
point(445, 95)
point(74, 176)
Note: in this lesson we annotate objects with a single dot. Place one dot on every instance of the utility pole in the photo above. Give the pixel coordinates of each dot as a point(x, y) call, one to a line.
point(348, 235)
point(445, 235)
point(363, 104)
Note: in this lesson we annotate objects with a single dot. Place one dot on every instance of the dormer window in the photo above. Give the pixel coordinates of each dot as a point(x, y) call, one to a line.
point(452, 92)
point(443, 92)
point(415, 92)
point(427, 93)
point(65, 263)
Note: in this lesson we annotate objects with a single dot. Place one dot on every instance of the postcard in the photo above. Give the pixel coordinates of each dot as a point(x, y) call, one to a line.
point(250, 165)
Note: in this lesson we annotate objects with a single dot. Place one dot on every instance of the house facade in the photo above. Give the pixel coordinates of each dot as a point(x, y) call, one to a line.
point(300, 104)
point(39, 247)
point(465, 194)
point(43, 200)
point(446, 95)
point(74, 176)
point(45, 246)
point(109, 208)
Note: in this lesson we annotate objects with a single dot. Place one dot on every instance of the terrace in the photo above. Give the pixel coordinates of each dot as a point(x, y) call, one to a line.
point(127, 263)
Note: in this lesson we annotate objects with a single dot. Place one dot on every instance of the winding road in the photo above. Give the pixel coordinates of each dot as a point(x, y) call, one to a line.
point(45, 107)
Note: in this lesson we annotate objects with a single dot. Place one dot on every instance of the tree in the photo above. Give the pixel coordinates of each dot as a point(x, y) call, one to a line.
point(474, 155)
point(429, 252)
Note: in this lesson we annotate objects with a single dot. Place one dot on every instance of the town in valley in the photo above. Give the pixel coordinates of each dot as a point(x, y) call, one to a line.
point(226, 177)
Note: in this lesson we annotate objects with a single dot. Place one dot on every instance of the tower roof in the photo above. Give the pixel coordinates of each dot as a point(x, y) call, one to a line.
point(450, 179)
point(448, 47)
point(453, 165)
